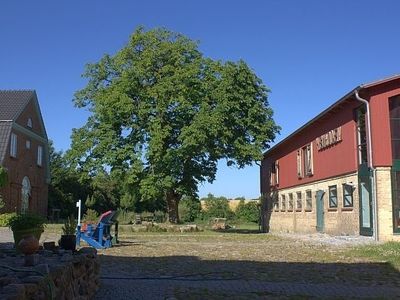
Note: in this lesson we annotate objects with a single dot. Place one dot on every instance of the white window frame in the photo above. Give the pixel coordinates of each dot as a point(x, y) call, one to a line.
point(40, 155)
point(13, 144)
point(283, 203)
point(299, 164)
point(308, 160)
point(308, 200)
point(299, 201)
point(29, 123)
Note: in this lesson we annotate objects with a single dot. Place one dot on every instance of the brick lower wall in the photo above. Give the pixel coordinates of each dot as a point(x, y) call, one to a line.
point(337, 221)
point(384, 204)
point(340, 221)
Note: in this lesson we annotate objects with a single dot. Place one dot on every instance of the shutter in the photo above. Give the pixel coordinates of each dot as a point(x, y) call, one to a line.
point(299, 171)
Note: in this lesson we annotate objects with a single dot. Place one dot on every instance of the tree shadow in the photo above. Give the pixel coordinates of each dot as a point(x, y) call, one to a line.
point(239, 231)
point(193, 274)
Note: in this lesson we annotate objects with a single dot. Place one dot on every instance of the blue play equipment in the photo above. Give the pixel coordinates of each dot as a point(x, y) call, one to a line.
point(100, 236)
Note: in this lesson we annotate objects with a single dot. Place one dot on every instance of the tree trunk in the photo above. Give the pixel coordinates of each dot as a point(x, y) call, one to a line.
point(172, 207)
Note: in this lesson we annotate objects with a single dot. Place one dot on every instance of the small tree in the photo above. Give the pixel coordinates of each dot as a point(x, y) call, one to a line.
point(218, 207)
point(249, 212)
point(189, 209)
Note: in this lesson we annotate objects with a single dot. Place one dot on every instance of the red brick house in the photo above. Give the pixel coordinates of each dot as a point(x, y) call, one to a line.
point(23, 152)
point(340, 172)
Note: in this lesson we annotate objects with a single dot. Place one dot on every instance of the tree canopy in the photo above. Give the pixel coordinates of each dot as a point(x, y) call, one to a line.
point(162, 115)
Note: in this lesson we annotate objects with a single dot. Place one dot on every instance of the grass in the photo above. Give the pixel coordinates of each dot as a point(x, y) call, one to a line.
point(388, 252)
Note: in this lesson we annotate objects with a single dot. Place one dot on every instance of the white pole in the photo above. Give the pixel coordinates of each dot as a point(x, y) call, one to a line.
point(78, 205)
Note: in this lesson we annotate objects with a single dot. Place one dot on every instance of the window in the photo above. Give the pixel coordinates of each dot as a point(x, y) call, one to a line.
point(305, 161)
point(347, 195)
point(13, 146)
point(361, 135)
point(290, 208)
point(333, 196)
point(40, 156)
point(283, 202)
point(29, 124)
point(28, 144)
point(274, 174)
point(308, 200)
point(299, 164)
point(394, 108)
point(299, 202)
point(275, 200)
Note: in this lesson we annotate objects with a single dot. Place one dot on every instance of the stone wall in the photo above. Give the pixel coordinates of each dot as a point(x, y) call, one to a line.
point(66, 276)
point(337, 221)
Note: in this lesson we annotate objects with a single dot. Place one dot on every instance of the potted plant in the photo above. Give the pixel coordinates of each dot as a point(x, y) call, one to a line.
point(23, 225)
point(68, 239)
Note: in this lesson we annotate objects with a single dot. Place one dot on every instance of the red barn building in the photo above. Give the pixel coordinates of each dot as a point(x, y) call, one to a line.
point(23, 153)
point(340, 172)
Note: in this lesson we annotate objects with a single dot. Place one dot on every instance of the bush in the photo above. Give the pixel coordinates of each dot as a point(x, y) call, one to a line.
point(217, 207)
point(69, 227)
point(5, 219)
point(160, 216)
point(26, 221)
point(126, 217)
point(248, 212)
point(91, 216)
point(189, 209)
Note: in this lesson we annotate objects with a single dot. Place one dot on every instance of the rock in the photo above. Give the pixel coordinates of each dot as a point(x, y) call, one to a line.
point(87, 250)
point(31, 260)
point(17, 289)
point(42, 268)
point(49, 246)
point(32, 279)
point(66, 258)
point(46, 253)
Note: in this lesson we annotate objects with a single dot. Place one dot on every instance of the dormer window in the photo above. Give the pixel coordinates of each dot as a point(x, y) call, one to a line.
point(29, 124)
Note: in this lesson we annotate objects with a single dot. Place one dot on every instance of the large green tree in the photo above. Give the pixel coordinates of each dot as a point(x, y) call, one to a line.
point(67, 185)
point(162, 115)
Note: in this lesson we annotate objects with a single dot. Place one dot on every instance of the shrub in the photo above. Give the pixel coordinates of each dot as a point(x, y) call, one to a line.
point(160, 216)
point(249, 212)
point(5, 219)
point(91, 216)
point(26, 221)
point(69, 227)
point(126, 217)
point(218, 207)
point(189, 209)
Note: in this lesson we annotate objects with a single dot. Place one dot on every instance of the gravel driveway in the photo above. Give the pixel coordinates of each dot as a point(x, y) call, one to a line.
point(242, 267)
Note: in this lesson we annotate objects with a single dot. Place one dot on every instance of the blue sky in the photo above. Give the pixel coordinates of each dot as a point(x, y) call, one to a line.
point(309, 53)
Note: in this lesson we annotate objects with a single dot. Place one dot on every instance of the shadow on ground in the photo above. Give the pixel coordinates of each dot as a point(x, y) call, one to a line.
point(188, 277)
point(240, 231)
point(192, 267)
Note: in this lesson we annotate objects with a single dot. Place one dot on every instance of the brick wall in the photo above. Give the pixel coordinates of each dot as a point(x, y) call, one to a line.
point(384, 204)
point(337, 221)
point(25, 164)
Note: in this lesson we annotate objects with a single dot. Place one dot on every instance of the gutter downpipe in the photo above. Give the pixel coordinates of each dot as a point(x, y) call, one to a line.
point(370, 165)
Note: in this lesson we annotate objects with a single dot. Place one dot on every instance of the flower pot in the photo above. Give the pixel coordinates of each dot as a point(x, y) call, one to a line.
point(21, 233)
point(68, 242)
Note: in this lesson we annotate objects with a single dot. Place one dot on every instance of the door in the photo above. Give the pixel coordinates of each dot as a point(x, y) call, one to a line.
point(365, 196)
point(319, 199)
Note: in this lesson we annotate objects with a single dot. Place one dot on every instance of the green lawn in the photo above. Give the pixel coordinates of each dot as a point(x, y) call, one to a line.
point(388, 252)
